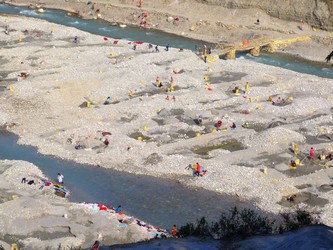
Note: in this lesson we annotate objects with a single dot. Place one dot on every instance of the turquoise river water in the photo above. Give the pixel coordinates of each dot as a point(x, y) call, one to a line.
point(100, 27)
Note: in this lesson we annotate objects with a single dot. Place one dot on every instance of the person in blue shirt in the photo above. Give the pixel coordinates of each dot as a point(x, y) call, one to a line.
point(118, 209)
point(107, 101)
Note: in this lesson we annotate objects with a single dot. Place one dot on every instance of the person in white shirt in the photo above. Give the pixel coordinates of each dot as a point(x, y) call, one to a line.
point(60, 179)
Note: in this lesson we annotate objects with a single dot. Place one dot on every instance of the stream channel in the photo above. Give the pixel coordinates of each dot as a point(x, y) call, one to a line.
point(157, 201)
point(103, 28)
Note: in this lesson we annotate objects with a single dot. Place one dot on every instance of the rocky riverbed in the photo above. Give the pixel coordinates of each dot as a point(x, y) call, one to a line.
point(59, 108)
point(226, 23)
point(33, 217)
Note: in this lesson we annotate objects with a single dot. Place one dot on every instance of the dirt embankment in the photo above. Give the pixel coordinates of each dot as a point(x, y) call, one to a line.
point(317, 13)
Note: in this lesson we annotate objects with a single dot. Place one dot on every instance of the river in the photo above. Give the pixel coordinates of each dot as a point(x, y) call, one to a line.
point(103, 28)
point(157, 201)
point(160, 202)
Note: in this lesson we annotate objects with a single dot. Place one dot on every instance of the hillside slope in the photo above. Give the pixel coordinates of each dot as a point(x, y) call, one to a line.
point(318, 13)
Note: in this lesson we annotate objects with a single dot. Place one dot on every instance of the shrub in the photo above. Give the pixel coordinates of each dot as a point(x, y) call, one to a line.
point(200, 228)
point(234, 223)
point(247, 222)
point(299, 218)
point(243, 223)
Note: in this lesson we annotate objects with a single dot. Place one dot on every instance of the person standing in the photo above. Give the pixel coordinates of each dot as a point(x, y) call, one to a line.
point(158, 81)
point(312, 153)
point(95, 246)
point(60, 179)
point(198, 169)
point(205, 53)
point(174, 231)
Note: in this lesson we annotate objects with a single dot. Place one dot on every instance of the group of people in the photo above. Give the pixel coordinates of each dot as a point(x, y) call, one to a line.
point(218, 124)
point(323, 155)
point(198, 170)
point(205, 52)
point(150, 46)
point(159, 84)
point(174, 233)
point(312, 152)
point(236, 90)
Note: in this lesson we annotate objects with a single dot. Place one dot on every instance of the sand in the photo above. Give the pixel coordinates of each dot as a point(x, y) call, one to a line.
point(44, 109)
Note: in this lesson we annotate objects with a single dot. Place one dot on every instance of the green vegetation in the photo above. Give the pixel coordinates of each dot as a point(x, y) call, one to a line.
point(245, 223)
point(296, 220)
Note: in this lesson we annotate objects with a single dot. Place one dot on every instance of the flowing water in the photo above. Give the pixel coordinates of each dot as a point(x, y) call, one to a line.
point(160, 202)
point(156, 201)
point(103, 28)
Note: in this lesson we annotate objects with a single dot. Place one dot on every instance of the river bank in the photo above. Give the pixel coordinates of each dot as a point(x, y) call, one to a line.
point(152, 133)
point(135, 193)
point(33, 217)
point(196, 20)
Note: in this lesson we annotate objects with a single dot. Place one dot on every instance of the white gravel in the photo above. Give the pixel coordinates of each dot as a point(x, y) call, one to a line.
point(45, 108)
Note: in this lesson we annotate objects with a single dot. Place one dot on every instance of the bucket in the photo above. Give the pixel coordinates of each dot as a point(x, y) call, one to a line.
point(265, 170)
point(88, 104)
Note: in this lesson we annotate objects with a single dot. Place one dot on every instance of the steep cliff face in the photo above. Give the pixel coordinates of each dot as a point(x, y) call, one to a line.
point(318, 13)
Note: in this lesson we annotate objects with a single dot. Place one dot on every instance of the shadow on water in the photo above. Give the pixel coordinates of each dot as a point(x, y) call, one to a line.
point(160, 202)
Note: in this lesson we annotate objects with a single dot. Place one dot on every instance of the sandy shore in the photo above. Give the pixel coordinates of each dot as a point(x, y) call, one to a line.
point(33, 217)
point(46, 110)
point(196, 20)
